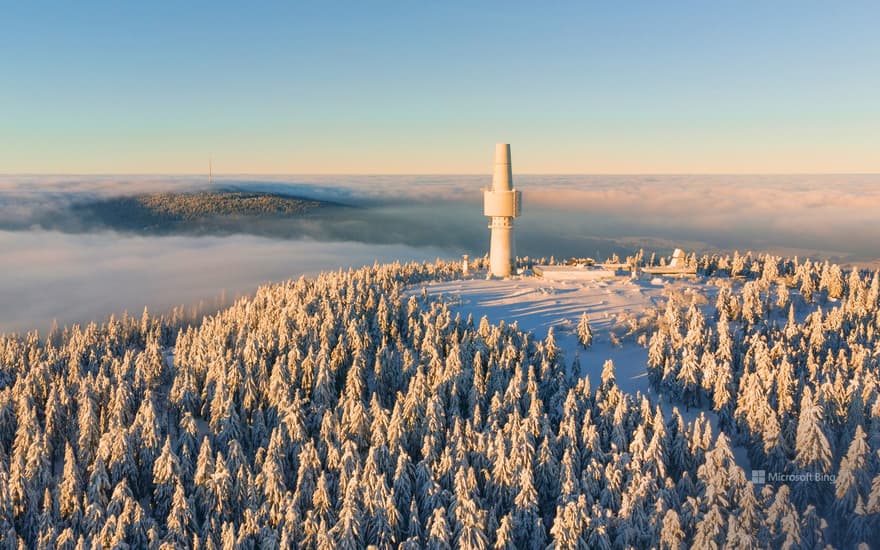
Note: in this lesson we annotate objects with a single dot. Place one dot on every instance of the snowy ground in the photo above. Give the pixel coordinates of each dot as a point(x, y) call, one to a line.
point(537, 304)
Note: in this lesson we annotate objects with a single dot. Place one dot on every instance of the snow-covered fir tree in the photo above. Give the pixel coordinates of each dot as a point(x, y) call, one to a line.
point(584, 332)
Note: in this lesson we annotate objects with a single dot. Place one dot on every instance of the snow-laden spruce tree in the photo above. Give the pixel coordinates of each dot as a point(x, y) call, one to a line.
point(584, 331)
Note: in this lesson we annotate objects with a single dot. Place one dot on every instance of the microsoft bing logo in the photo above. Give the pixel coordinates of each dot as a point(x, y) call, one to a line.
point(759, 477)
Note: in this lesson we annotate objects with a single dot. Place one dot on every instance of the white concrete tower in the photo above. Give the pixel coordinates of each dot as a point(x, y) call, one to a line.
point(502, 203)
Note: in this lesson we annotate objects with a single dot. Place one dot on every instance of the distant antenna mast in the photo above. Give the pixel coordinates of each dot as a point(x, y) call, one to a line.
point(210, 171)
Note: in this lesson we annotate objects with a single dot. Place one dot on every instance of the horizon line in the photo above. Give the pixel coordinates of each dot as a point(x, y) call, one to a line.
point(449, 174)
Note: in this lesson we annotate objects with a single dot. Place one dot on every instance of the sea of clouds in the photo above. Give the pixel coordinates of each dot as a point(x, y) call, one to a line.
point(74, 273)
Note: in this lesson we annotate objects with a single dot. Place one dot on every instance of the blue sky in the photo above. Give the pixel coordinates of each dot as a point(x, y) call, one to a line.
point(429, 87)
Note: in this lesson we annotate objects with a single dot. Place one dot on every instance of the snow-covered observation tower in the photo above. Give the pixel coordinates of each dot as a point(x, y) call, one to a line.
point(502, 203)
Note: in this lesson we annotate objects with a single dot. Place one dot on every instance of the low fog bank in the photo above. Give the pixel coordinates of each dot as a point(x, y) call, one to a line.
point(84, 274)
point(832, 216)
point(79, 278)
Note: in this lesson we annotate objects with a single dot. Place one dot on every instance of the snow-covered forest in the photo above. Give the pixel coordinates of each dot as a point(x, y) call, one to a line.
point(352, 410)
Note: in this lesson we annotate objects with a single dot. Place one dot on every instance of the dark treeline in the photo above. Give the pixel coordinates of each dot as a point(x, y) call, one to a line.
point(212, 212)
point(203, 211)
point(352, 410)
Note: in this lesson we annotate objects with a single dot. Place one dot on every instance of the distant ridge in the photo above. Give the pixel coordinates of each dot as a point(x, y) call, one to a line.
point(199, 211)
point(232, 210)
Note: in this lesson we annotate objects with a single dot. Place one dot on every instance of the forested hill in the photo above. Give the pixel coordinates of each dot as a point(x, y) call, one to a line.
point(352, 410)
point(197, 211)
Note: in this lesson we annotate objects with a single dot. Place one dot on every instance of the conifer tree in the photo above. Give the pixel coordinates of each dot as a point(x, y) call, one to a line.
point(180, 518)
point(584, 331)
point(70, 490)
point(348, 533)
point(812, 446)
point(438, 533)
point(166, 475)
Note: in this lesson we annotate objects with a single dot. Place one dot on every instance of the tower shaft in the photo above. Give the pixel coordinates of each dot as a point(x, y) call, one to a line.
point(501, 246)
point(501, 203)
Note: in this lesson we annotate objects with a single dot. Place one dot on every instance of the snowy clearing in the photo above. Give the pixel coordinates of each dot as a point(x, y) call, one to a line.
point(536, 304)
